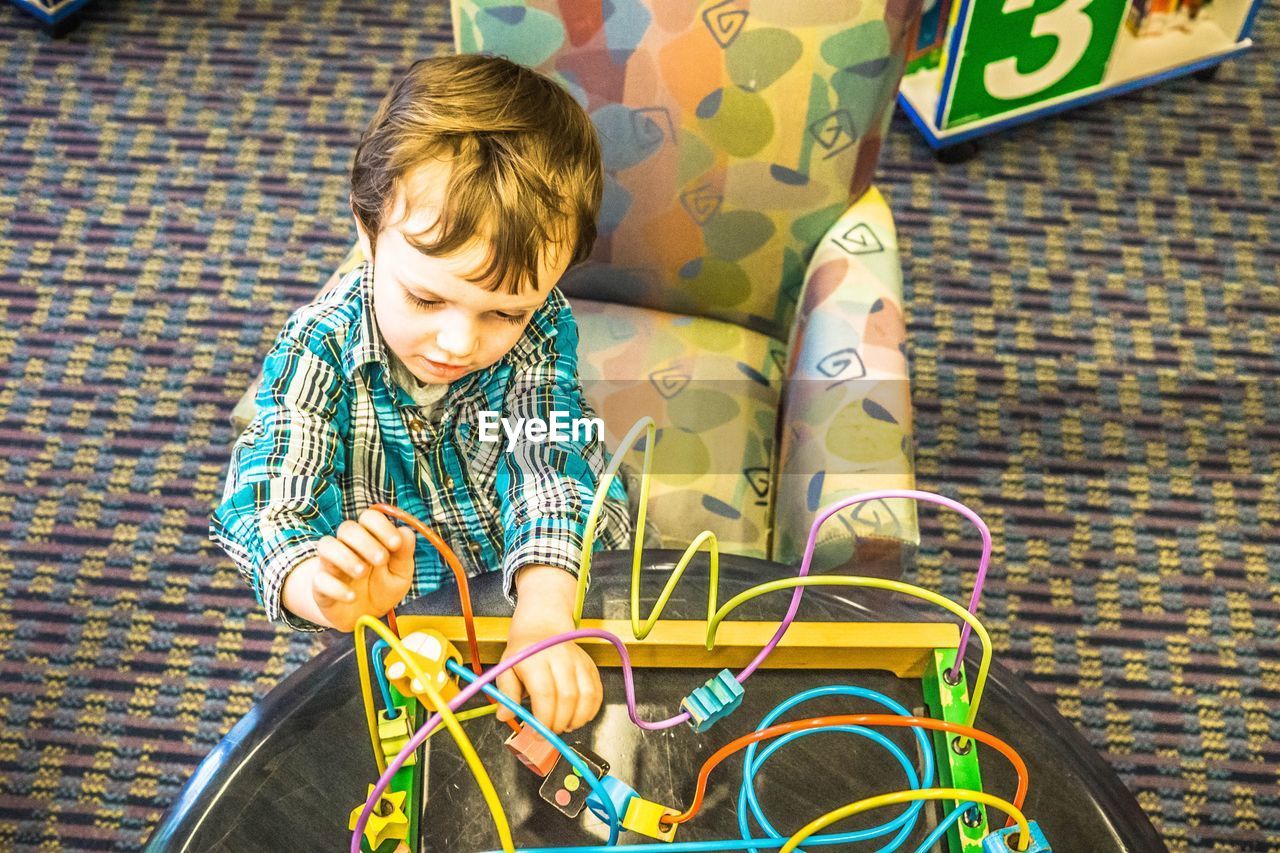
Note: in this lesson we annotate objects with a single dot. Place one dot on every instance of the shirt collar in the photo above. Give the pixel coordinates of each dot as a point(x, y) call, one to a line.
point(366, 346)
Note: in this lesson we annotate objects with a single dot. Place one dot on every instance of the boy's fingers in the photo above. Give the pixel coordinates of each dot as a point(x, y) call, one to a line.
point(541, 687)
point(326, 586)
point(509, 684)
point(360, 540)
point(381, 527)
point(590, 695)
point(401, 564)
point(337, 556)
point(566, 697)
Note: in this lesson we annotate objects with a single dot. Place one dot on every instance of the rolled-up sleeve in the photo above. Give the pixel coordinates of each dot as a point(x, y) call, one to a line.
point(282, 494)
point(546, 488)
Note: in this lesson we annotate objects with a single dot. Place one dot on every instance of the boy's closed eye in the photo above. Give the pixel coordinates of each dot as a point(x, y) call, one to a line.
point(427, 304)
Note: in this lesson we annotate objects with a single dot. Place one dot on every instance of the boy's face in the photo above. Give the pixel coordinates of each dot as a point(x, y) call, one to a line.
point(436, 321)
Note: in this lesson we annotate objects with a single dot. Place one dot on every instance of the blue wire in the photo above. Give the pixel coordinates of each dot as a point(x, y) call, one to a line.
point(941, 828)
point(904, 822)
point(752, 765)
point(615, 823)
point(380, 669)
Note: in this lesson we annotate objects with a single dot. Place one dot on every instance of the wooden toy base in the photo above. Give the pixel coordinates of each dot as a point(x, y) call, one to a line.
point(903, 648)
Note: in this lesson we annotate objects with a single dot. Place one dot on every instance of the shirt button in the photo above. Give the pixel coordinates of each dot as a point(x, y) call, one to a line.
point(473, 547)
point(416, 424)
point(449, 482)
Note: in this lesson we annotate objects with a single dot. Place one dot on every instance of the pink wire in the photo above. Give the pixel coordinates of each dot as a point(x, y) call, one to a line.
point(909, 494)
point(628, 682)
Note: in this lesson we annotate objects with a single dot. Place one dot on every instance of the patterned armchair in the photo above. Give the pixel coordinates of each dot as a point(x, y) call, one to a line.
point(745, 290)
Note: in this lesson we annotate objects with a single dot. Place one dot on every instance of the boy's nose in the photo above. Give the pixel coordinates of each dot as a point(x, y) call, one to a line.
point(457, 343)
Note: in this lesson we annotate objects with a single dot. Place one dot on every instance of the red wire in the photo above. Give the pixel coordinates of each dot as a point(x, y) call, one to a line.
point(851, 720)
point(459, 576)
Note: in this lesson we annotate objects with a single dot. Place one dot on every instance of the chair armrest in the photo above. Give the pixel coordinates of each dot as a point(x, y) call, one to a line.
point(245, 407)
point(846, 410)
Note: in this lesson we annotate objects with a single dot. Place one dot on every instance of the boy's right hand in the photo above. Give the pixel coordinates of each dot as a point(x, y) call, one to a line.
point(365, 570)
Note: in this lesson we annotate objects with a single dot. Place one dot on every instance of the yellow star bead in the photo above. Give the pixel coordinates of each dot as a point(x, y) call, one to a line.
point(387, 820)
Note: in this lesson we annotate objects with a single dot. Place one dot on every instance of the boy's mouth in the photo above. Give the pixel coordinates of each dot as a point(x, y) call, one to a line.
point(443, 369)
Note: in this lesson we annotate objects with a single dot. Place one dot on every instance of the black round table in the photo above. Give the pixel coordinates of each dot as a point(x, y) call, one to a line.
point(287, 776)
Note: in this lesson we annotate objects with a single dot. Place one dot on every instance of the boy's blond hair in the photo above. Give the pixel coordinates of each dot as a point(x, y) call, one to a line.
point(526, 170)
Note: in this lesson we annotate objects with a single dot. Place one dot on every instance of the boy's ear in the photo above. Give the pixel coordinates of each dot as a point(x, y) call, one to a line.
point(363, 236)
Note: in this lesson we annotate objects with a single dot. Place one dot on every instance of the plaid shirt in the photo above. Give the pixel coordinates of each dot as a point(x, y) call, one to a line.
point(333, 434)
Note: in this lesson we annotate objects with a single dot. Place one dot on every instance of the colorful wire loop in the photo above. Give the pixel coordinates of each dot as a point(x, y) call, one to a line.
point(479, 681)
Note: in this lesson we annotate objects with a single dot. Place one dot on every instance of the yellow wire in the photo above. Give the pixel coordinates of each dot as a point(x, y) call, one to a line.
point(713, 550)
point(366, 692)
point(597, 504)
point(450, 720)
point(875, 583)
point(957, 794)
point(637, 550)
point(466, 716)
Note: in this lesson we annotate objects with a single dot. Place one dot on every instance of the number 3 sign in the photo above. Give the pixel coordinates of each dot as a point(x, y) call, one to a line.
point(1016, 53)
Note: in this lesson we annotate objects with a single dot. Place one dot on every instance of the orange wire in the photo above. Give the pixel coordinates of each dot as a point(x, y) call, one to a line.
point(850, 720)
point(391, 622)
point(459, 575)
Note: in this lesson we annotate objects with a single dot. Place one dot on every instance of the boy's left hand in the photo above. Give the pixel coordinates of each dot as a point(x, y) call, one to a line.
point(562, 681)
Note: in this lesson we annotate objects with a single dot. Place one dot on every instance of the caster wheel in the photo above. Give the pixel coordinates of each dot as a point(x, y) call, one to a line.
point(961, 152)
point(62, 28)
point(1206, 75)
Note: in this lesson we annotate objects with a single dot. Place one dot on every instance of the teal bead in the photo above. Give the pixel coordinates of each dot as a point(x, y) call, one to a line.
point(714, 701)
point(1003, 840)
point(619, 792)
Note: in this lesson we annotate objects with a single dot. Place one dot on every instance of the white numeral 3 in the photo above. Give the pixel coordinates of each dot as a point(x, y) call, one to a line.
point(1068, 24)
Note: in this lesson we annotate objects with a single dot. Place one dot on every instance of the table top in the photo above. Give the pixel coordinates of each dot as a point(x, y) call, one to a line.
point(288, 775)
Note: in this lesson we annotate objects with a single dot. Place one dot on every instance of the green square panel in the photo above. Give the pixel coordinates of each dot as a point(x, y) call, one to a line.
point(1016, 54)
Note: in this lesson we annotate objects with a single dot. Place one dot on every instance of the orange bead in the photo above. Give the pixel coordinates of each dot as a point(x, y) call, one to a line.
point(533, 750)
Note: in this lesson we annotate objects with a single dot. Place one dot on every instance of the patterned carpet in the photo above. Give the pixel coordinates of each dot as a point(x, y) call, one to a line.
point(1093, 321)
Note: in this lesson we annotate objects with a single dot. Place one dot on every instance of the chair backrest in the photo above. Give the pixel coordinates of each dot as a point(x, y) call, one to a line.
point(735, 132)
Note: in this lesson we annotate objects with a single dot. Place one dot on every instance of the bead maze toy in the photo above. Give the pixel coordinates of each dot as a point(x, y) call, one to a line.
point(424, 684)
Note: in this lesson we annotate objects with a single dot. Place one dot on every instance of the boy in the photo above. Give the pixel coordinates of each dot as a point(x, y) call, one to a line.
point(474, 188)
